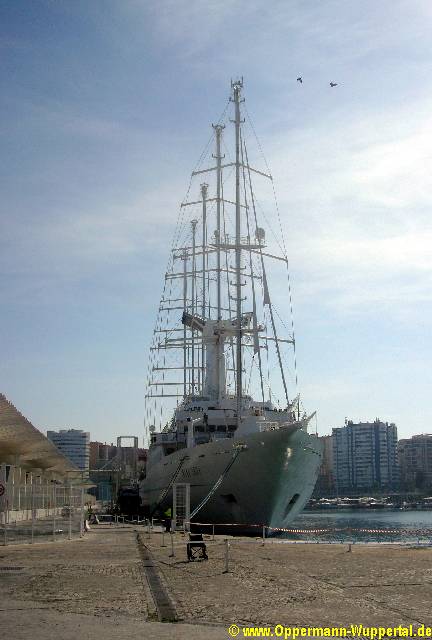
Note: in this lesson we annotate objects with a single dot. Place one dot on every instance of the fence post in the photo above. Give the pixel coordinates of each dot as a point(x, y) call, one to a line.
point(54, 510)
point(82, 513)
point(32, 510)
point(213, 533)
point(226, 556)
point(263, 534)
point(172, 554)
point(163, 539)
point(70, 512)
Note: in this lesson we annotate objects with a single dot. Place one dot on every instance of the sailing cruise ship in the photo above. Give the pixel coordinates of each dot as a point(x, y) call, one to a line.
point(220, 415)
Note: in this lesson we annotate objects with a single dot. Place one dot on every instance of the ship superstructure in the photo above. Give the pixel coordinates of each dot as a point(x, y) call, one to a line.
point(218, 409)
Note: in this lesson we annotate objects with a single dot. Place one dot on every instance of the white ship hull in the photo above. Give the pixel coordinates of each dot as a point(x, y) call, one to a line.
point(269, 482)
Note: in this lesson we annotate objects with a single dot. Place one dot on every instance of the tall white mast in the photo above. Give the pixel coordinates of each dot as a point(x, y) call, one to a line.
point(237, 87)
point(204, 191)
point(184, 258)
point(194, 225)
point(218, 131)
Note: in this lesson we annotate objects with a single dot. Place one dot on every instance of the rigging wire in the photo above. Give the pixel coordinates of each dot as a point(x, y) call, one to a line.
point(255, 322)
point(285, 254)
point(204, 153)
point(268, 301)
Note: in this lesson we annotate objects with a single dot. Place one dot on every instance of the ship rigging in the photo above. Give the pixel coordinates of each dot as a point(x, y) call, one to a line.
point(215, 285)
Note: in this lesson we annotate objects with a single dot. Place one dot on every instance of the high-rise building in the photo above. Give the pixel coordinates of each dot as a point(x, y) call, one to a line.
point(415, 462)
point(365, 456)
point(325, 484)
point(74, 444)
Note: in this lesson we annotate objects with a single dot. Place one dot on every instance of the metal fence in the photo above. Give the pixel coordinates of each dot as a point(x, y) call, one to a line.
point(41, 512)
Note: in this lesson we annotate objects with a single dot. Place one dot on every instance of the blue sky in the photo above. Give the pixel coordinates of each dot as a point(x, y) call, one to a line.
point(105, 108)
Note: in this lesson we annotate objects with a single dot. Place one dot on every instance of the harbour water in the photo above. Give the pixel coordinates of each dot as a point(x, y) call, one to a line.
point(363, 525)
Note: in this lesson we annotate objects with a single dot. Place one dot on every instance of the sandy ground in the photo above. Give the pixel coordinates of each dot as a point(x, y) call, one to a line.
point(307, 585)
point(96, 587)
point(83, 589)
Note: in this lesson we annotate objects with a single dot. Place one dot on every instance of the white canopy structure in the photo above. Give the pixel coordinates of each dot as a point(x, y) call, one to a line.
point(23, 445)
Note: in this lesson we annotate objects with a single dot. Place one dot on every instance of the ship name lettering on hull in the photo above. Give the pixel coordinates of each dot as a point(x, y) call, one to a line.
point(189, 473)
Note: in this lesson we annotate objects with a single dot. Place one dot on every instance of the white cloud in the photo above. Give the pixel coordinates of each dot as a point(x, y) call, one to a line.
point(356, 207)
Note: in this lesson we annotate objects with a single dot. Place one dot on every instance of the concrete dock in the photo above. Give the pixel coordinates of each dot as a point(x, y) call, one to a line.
point(91, 588)
point(101, 586)
point(300, 584)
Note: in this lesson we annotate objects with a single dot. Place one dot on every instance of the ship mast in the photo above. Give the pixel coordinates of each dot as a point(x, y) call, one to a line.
point(204, 191)
point(193, 295)
point(184, 257)
point(237, 87)
point(218, 132)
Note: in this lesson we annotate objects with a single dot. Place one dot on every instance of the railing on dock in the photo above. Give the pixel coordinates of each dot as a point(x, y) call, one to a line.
point(42, 512)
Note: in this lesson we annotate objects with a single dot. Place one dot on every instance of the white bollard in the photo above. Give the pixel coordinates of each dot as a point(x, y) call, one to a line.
point(172, 554)
point(32, 512)
point(263, 534)
point(226, 556)
point(82, 513)
point(54, 512)
point(213, 533)
point(70, 513)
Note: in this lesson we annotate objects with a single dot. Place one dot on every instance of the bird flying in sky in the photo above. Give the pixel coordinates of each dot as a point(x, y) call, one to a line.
point(300, 79)
point(333, 84)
